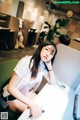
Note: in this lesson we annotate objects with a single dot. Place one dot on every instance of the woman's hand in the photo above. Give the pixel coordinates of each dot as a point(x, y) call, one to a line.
point(50, 77)
point(35, 110)
point(48, 64)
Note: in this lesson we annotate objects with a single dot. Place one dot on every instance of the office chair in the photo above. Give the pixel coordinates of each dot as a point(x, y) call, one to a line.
point(6, 70)
point(4, 42)
point(64, 39)
point(4, 36)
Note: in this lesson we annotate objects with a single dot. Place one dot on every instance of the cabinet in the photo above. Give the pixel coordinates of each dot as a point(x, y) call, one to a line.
point(31, 37)
point(4, 20)
point(7, 39)
point(9, 27)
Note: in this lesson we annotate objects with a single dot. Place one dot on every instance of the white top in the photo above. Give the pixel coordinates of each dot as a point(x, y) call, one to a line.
point(22, 70)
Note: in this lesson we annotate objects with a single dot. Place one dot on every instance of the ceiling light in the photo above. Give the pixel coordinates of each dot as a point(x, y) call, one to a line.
point(69, 13)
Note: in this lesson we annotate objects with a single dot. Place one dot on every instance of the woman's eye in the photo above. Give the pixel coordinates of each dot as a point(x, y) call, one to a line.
point(46, 49)
point(52, 54)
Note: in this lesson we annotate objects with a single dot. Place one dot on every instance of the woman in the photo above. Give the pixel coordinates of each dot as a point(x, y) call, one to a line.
point(28, 75)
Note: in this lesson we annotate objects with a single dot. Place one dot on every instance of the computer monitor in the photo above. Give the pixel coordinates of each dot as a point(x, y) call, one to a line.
point(66, 65)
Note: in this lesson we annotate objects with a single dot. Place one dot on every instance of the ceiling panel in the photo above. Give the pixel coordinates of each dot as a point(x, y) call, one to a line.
point(64, 8)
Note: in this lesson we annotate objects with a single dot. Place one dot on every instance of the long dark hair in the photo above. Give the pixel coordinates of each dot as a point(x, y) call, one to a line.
point(36, 57)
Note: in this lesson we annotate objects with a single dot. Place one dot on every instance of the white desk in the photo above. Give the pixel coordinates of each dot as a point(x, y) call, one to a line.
point(56, 101)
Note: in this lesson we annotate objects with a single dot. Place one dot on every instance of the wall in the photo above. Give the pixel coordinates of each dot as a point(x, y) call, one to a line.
point(6, 7)
point(33, 10)
point(9, 7)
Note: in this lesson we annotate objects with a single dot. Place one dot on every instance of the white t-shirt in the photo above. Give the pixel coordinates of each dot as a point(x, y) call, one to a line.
point(22, 70)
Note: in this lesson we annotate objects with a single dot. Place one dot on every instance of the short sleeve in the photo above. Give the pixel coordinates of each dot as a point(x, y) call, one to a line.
point(44, 70)
point(22, 66)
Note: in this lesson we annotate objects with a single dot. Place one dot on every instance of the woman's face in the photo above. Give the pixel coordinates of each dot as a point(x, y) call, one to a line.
point(47, 53)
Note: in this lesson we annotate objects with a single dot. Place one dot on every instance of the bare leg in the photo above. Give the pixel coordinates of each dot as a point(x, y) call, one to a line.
point(18, 105)
point(12, 105)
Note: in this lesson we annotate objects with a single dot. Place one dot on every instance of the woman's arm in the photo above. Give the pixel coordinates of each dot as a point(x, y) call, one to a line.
point(34, 108)
point(50, 76)
point(12, 89)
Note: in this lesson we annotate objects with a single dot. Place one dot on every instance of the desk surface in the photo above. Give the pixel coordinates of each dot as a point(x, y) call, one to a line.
point(56, 101)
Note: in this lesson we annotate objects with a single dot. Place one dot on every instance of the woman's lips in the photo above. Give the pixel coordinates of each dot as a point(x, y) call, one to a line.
point(45, 57)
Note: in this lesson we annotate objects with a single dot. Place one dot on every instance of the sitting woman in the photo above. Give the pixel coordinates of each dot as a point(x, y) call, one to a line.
point(28, 75)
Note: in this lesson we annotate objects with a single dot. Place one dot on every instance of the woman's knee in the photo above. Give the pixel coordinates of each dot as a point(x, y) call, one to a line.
point(12, 105)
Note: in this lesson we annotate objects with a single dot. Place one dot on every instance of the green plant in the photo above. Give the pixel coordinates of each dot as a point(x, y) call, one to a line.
point(53, 31)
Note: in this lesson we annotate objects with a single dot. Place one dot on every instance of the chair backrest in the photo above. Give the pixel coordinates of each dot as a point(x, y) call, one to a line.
point(6, 69)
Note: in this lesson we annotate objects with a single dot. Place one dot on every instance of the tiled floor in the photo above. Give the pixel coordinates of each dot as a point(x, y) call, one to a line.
point(75, 44)
point(16, 53)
